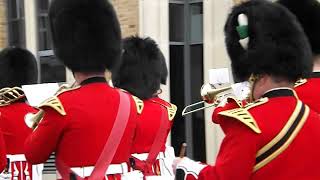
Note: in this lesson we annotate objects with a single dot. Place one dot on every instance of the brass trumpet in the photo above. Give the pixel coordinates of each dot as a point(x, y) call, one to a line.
point(32, 120)
point(210, 95)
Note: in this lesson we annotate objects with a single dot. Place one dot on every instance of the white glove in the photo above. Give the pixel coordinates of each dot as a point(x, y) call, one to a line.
point(133, 175)
point(189, 166)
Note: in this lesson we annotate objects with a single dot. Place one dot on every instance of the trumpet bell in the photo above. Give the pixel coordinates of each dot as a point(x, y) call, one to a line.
point(210, 95)
point(32, 120)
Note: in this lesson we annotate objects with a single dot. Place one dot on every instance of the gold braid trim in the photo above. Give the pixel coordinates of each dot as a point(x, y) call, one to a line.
point(55, 104)
point(243, 116)
point(172, 109)
point(139, 104)
point(281, 134)
point(300, 82)
point(10, 95)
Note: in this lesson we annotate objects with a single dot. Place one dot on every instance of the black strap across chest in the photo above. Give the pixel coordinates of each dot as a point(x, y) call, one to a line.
point(284, 138)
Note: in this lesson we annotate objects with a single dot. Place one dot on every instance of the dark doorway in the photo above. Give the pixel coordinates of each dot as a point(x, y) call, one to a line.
point(186, 74)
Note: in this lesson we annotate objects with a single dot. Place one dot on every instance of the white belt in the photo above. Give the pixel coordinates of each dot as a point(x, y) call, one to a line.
point(144, 156)
point(16, 157)
point(112, 169)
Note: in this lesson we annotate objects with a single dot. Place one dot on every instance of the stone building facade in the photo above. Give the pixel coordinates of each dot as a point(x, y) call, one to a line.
point(127, 10)
point(3, 24)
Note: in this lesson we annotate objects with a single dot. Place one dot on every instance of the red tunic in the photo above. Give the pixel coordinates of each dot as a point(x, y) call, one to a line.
point(148, 128)
point(78, 137)
point(308, 91)
point(12, 122)
point(3, 159)
point(237, 156)
point(15, 131)
point(148, 125)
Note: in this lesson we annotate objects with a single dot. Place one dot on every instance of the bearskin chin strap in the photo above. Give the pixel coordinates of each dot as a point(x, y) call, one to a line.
point(252, 80)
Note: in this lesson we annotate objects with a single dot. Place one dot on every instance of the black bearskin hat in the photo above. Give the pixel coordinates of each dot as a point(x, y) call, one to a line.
point(17, 67)
point(308, 13)
point(164, 69)
point(141, 70)
point(86, 34)
point(277, 44)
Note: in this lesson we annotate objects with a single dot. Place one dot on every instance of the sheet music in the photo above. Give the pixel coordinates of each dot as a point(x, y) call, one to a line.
point(37, 93)
point(219, 76)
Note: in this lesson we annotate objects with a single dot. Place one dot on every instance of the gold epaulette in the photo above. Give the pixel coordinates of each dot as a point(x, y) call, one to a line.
point(55, 104)
point(244, 116)
point(172, 110)
point(139, 104)
point(300, 82)
point(10, 95)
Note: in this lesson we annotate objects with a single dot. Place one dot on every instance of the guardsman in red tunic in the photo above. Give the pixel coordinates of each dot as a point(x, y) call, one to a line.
point(91, 126)
point(142, 71)
point(270, 138)
point(308, 14)
point(18, 67)
point(3, 159)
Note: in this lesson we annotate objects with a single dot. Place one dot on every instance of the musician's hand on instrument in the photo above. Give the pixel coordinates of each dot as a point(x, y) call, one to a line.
point(222, 102)
point(187, 165)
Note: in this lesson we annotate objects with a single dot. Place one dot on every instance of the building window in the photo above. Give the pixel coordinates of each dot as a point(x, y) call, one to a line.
point(43, 26)
point(52, 70)
point(176, 22)
point(16, 23)
point(196, 23)
point(186, 73)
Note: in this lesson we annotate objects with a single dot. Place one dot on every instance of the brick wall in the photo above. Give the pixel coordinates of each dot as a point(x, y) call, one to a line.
point(127, 10)
point(128, 14)
point(3, 24)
